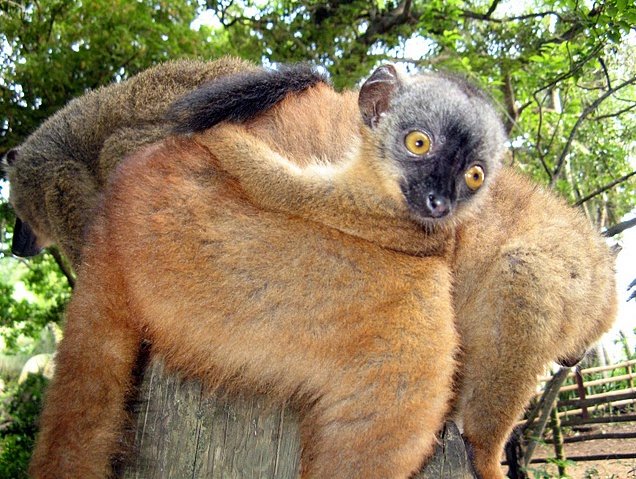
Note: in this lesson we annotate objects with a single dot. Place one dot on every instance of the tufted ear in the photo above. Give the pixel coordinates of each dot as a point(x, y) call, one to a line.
point(11, 156)
point(8, 160)
point(376, 92)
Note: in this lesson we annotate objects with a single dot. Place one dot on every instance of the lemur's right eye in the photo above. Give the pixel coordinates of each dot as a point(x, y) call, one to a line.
point(474, 177)
point(417, 142)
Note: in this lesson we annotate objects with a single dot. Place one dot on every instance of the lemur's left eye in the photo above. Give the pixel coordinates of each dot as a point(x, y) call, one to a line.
point(474, 177)
point(417, 142)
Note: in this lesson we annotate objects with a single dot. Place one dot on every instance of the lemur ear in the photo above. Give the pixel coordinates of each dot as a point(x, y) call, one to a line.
point(376, 92)
point(11, 156)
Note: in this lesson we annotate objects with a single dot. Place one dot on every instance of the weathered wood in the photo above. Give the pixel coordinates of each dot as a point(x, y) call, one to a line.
point(604, 398)
point(559, 453)
point(591, 457)
point(451, 459)
point(183, 433)
point(534, 430)
point(594, 437)
point(599, 420)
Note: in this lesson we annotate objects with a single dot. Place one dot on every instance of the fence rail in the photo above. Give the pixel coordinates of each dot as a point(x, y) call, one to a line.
point(590, 407)
point(586, 404)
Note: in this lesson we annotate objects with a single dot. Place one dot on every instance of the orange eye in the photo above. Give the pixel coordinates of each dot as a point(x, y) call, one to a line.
point(417, 142)
point(474, 177)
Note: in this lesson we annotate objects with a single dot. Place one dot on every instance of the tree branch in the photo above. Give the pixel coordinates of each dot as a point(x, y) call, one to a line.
point(383, 23)
point(540, 137)
point(605, 188)
point(556, 130)
point(66, 271)
point(512, 113)
point(577, 27)
point(633, 295)
point(589, 109)
point(534, 431)
point(486, 16)
point(615, 114)
point(571, 71)
point(619, 228)
point(493, 7)
point(604, 67)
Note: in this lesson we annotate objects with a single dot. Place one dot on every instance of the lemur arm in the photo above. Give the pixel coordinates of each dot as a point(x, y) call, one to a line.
point(273, 182)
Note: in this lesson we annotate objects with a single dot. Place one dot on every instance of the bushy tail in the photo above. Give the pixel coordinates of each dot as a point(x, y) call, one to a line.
point(240, 97)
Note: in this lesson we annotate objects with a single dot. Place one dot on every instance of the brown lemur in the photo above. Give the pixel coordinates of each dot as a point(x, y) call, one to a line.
point(426, 153)
point(360, 336)
point(533, 282)
point(57, 172)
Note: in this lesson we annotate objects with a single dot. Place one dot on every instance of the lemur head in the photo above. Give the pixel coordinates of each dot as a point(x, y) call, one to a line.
point(25, 198)
point(438, 134)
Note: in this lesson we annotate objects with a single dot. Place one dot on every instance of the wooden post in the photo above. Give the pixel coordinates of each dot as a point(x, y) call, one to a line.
point(580, 386)
point(181, 432)
point(534, 432)
point(555, 424)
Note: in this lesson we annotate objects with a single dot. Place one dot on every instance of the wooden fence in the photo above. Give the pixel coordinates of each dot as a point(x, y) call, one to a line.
point(589, 407)
point(586, 407)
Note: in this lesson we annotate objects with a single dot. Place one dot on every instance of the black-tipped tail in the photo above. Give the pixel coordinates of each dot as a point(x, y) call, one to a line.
point(240, 97)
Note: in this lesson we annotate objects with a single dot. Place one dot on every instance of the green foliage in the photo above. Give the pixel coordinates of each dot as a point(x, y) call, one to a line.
point(543, 473)
point(539, 473)
point(20, 410)
point(547, 63)
point(54, 50)
point(45, 293)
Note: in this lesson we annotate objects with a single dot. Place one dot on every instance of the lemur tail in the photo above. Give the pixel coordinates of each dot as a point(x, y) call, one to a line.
point(240, 97)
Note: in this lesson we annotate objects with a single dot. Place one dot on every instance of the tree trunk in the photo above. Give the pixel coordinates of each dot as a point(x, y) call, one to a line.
point(180, 432)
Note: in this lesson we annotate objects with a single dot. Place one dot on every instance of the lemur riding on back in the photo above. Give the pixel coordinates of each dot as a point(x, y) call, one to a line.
point(428, 147)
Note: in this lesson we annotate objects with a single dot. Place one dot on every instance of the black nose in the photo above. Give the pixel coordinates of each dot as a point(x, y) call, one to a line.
point(438, 205)
point(25, 243)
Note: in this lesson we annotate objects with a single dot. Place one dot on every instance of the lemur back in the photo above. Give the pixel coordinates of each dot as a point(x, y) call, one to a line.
point(533, 281)
point(359, 337)
point(58, 172)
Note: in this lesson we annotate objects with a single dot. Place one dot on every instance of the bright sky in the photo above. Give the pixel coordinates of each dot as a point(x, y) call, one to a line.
point(625, 274)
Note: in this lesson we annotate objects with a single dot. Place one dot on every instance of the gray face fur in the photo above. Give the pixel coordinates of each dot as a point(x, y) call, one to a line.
point(464, 130)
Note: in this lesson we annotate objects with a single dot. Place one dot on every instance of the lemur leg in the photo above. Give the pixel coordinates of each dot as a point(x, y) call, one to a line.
point(85, 403)
point(380, 415)
point(509, 329)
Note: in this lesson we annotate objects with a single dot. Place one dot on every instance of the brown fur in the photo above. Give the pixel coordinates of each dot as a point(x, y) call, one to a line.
point(231, 293)
point(534, 283)
point(56, 174)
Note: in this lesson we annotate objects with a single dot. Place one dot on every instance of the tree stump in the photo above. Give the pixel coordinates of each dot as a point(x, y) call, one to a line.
point(180, 432)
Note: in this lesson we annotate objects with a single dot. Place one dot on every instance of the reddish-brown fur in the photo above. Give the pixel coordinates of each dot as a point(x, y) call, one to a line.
point(534, 283)
point(362, 336)
point(178, 243)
